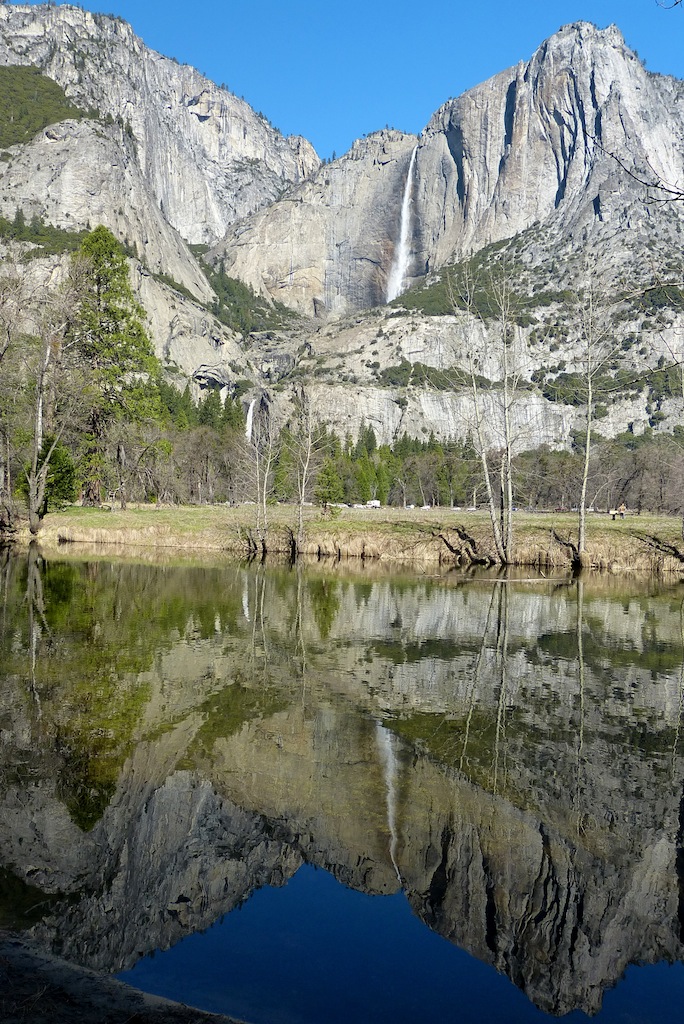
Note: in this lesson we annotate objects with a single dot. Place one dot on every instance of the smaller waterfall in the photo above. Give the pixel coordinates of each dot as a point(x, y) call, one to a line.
point(399, 268)
point(250, 417)
point(389, 764)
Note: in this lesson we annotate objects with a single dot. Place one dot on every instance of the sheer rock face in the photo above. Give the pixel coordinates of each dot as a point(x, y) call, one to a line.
point(174, 157)
point(328, 244)
point(207, 156)
point(78, 173)
point(449, 414)
point(536, 144)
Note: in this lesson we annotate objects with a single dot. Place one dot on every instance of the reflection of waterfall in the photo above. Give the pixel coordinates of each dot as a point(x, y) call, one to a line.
point(397, 275)
point(389, 765)
point(245, 596)
point(250, 417)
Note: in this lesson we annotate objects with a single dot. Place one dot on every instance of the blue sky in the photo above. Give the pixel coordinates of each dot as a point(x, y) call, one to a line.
point(333, 71)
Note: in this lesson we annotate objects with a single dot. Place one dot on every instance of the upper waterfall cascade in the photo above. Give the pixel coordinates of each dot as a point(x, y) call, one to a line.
point(250, 417)
point(399, 269)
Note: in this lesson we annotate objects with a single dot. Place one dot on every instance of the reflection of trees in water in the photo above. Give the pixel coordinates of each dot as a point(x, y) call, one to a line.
point(325, 599)
point(482, 795)
point(259, 632)
point(469, 735)
point(680, 705)
point(533, 721)
point(475, 683)
point(558, 902)
point(679, 857)
point(299, 624)
point(81, 636)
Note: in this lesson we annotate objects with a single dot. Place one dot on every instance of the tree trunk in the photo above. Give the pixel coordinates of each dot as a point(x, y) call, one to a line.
point(582, 523)
point(37, 474)
point(92, 462)
point(121, 464)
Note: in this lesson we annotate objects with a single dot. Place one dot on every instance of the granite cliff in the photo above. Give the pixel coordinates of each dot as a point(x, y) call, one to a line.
point(555, 142)
point(537, 172)
point(207, 157)
point(166, 158)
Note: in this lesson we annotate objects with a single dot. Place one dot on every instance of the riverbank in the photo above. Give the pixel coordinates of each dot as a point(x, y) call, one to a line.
point(419, 537)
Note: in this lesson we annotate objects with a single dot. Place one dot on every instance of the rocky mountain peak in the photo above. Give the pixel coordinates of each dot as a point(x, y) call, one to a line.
point(537, 143)
point(541, 163)
point(208, 157)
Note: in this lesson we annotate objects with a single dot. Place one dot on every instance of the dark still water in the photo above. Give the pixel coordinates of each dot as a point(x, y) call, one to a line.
point(298, 796)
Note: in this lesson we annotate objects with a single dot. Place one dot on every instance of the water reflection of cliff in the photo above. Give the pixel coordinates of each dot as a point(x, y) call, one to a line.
point(511, 755)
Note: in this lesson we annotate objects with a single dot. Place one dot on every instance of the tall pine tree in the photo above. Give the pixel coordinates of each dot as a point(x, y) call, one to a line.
point(112, 341)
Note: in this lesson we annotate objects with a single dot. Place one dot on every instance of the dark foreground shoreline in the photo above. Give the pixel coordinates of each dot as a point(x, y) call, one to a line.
point(37, 988)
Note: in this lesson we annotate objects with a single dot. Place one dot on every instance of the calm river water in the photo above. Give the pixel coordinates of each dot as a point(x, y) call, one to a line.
point(308, 795)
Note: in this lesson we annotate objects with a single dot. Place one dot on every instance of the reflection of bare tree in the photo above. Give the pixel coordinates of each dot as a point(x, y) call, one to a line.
point(499, 602)
point(502, 662)
point(680, 707)
point(581, 681)
point(300, 642)
point(37, 624)
point(258, 622)
point(6, 564)
point(477, 668)
point(679, 857)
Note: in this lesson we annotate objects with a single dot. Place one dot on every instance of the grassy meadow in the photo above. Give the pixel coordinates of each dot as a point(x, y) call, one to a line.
point(639, 543)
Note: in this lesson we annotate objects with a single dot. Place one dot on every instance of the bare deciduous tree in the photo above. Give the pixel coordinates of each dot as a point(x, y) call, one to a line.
point(259, 455)
point(306, 447)
point(14, 299)
point(58, 386)
point(502, 396)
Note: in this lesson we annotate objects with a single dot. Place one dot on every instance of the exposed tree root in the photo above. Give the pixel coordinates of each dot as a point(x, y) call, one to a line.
point(576, 559)
point(662, 546)
point(466, 552)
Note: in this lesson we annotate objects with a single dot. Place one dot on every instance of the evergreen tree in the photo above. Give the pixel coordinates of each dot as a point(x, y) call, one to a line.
point(111, 339)
point(233, 418)
point(384, 482)
point(210, 411)
point(187, 414)
point(60, 485)
point(329, 487)
point(366, 483)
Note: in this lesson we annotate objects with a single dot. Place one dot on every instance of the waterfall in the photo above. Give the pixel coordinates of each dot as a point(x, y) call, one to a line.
point(389, 764)
point(397, 274)
point(250, 417)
